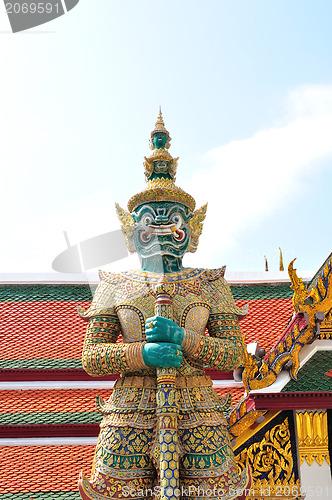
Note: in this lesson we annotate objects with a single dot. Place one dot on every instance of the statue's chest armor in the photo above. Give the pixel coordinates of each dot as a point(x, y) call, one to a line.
point(190, 311)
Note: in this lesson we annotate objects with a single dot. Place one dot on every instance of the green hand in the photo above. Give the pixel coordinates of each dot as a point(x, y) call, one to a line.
point(162, 354)
point(158, 329)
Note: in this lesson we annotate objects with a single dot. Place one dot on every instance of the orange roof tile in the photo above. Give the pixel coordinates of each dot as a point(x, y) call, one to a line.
point(63, 400)
point(54, 330)
point(69, 400)
point(44, 329)
point(43, 468)
point(237, 393)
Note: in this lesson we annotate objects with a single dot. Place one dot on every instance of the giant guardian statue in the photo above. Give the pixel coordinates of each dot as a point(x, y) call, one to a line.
point(163, 432)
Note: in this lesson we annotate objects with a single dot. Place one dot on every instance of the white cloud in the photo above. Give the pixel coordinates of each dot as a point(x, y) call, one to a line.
point(246, 180)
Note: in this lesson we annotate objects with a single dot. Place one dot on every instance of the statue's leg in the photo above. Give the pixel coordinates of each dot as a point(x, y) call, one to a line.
point(122, 468)
point(208, 468)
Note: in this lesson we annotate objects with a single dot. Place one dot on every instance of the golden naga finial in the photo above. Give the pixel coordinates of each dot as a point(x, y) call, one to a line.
point(297, 285)
point(266, 263)
point(318, 299)
point(312, 306)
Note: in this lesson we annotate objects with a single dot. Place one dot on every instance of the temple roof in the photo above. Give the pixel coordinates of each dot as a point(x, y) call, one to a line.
point(313, 376)
point(42, 329)
point(61, 412)
point(48, 420)
point(43, 472)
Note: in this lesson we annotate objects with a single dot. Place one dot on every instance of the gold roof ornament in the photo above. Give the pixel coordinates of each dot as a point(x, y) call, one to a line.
point(281, 261)
point(266, 263)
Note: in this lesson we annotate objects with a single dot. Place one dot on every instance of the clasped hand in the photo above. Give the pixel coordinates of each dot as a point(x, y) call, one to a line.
point(164, 339)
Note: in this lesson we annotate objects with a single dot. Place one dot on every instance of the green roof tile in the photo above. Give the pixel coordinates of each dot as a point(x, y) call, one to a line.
point(45, 418)
point(312, 378)
point(40, 495)
point(40, 364)
point(260, 292)
point(35, 293)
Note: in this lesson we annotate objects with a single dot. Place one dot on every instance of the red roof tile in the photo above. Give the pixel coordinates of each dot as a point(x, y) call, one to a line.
point(63, 400)
point(265, 320)
point(237, 393)
point(53, 329)
point(44, 329)
point(69, 400)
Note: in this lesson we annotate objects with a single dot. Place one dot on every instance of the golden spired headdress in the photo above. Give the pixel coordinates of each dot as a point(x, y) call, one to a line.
point(160, 128)
point(160, 171)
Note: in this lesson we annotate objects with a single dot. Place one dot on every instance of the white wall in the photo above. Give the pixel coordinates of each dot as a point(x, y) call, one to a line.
point(316, 481)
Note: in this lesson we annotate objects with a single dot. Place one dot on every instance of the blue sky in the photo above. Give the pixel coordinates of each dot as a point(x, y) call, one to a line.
point(246, 93)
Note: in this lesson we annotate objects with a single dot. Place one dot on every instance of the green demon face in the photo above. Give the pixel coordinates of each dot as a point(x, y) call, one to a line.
point(162, 228)
point(159, 140)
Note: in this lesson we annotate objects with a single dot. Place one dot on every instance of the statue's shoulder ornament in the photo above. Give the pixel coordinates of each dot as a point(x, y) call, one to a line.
point(111, 278)
point(213, 274)
point(104, 299)
point(220, 296)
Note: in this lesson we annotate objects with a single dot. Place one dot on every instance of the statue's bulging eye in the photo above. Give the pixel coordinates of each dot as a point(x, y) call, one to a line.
point(147, 220)
point(177, 220)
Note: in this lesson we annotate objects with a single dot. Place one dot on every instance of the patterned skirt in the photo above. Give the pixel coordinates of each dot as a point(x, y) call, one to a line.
point(124, 468)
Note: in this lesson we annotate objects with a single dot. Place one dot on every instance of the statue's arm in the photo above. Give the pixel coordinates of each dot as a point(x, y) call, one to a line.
point(223, 349)
point(102, 355)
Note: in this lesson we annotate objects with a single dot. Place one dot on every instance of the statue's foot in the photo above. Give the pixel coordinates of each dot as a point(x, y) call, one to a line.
point(106, 488)
point(83, 486)
point(245, 493)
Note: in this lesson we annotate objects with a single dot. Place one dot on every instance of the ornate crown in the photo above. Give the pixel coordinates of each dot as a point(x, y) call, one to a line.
point(160, 171)
point(160, 128)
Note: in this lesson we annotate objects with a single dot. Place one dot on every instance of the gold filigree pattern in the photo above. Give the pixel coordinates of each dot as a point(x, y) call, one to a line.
point(313, 437)
point(271, 463)
point(161, 189)
point(196, 227)
point(127, 226)
point(160, 155)
point(241, 418)
point(326, 327)
point(195, 317)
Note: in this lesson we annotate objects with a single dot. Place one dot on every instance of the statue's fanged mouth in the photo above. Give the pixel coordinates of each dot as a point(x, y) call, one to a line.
point(169, 229)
